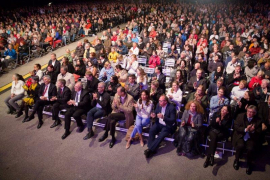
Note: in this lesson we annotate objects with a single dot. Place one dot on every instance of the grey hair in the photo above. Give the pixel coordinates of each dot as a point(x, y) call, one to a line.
point(102, 84)
point(252, 107)
point(47, 76)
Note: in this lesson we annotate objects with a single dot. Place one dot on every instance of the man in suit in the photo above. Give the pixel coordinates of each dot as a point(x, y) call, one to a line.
point(46, 92)
point(122, 110)
point(213, 88)
point(55, 63)
point(197, 80)
point(132, 87)
point(92, 82)
point(165, 124)
point(101, 107)
point(63, 96)
point(68, 77)
point(160, 77)
point(247, 129)
point(78, 105)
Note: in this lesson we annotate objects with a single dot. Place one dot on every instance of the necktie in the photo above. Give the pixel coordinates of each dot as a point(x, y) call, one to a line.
point(61, 91)
point(77, 96)
point(45, 90)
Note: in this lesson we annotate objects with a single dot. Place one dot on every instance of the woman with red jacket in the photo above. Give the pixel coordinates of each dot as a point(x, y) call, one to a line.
point(154, 60)
point(256, 80)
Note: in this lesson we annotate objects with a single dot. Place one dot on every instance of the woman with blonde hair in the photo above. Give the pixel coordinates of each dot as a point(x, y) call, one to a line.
point(132, 65)
point(142, 79)
point(121, 61)
point(191, 121)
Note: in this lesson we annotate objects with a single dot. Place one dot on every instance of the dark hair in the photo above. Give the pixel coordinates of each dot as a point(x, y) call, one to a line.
point(51, 66)
point(35, 78)
point(132, 76)
point(251, 63)
point(115, 79)
point(251, 96)
point(148, 97)
point(222, 88)
point(38, 66)
point(122, 89)
point(159, 68)
point(118, 67)
point(62, 81)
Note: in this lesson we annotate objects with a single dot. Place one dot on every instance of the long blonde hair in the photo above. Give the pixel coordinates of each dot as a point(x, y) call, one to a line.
point(142, 74)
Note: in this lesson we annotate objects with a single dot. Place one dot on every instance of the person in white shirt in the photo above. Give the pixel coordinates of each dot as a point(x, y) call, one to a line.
point(38, 71)
point(175, 94)
point(132, 65)
point(64, 74)
point(143, 108)
point(17, 93)
point(238, 92)
point(134, 50)
point(231, 65)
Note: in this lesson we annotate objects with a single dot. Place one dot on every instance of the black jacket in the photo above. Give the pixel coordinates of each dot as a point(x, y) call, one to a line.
point(84, 103)
point(63, 97)
point(51, 91)
point(92, 85)
point(56, 66)
point(104, 102)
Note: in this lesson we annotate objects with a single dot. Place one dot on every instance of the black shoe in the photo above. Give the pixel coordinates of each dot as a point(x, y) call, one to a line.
point(103, 137)
point(39, 124)
point(112, 143)
point(24, 120)
point(88, 135)
point(56, 123)
point(29, 118)
point(211, 160)
point(148, 153)
point(18, 114)
point(249, 170)
point(236, 164)
point(207, 162)
point(65, 135)
point(80, 129)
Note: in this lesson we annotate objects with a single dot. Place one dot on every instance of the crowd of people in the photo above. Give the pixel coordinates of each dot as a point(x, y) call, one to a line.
point(219, 75)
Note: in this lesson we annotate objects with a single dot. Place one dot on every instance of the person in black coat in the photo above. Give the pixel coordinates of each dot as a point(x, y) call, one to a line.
point(155, 92)
point(32, 97)
point(217, 131)
point(247, 130)
point(55, 63)
point(101, 107)
point(65, 62)
point(50, 72)
point(78, 105)
point(63, 96)
point(112, 86)
point(80, 68)
point(247, 100)
point(46, 92)
point(197, 80)
point(92, 82)
point(213, 88)
point(234, 78)
point(160, 77)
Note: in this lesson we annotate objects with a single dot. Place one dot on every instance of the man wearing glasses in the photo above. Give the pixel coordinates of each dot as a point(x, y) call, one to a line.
point(165, 118)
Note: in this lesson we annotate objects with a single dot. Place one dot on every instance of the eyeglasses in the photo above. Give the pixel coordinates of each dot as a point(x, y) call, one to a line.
point(162, 100)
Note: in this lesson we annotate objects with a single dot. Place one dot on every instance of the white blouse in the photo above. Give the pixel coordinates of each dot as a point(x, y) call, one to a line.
point(143, 110)
point(17, 89)
point(177, 96)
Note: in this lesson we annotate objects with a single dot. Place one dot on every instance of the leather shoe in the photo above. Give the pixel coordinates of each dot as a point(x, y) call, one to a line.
point(249, 170)
point(103, 137)
point(148, 153)
point(39, 124)
point(80, 129)
point(29, 118)
point(24, 120)
point(236, 164)
point(112, 143)
point(206, 163)
point(65, 135)
point(18, 114)
point(211, 160)
point(56, 123)
point(88, 135)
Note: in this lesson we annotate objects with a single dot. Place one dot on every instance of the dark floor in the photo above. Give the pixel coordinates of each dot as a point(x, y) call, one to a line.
point(29, 153)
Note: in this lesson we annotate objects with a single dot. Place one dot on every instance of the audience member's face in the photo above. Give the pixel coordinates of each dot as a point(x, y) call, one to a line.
point(131, 80)
point(251, 113)
point(220, 93)
point(46, 80)
point(162, 101)
point(219, 83)
point(59, 84)
point(237, 70)
point(174, 87)
point(241, 85)
point(144, 96)
point(199, 74)
point(62, 71)
point(264, 84)
point(53, 57)
point(100, 88)
point(224, 110)
point(192, 107)
point(77, 87)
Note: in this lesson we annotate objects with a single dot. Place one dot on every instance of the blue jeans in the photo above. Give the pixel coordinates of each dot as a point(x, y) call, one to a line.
point(64, 39)
point(139, 124)
point(93, 114)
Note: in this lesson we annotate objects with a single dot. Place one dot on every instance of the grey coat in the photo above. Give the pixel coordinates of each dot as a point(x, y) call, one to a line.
point(198, 119)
